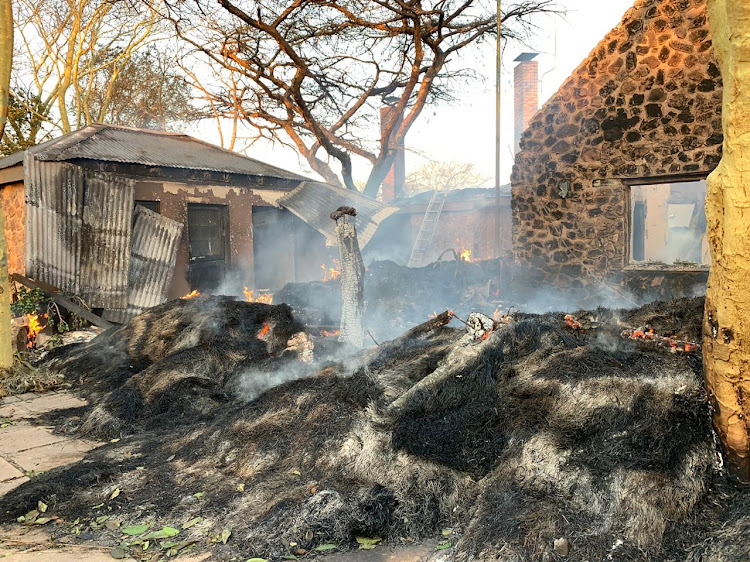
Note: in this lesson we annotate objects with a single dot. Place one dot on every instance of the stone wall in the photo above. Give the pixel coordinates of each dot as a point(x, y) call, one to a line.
point(645, 105)
point(13, 201)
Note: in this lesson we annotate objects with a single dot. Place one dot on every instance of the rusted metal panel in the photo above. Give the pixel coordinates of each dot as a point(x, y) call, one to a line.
point(105, 239)
point(154, 245)
point(313, 202)
point(54, 204)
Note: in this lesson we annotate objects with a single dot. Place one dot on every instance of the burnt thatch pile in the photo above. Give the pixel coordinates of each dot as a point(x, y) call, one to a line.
point(540, 432)
point(399, 297)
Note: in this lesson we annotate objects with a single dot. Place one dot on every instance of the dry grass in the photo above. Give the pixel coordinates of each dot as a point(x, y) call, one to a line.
point(23, 377)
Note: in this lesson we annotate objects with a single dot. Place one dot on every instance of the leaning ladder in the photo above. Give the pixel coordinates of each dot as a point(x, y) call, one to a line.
point(427, 228)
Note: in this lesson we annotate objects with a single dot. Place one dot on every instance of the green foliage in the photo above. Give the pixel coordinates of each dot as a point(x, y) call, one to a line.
point(30, 301)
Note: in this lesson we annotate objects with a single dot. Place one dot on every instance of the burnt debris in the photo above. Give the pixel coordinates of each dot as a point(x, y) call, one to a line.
point(540, 434)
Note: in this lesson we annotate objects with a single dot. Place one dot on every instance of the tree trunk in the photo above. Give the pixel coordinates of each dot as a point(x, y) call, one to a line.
point(726, 327)
point(352, 282)
point(6, 59)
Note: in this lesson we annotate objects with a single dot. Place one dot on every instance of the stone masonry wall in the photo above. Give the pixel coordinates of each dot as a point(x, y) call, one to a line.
point(645, 104)
point(13, 201)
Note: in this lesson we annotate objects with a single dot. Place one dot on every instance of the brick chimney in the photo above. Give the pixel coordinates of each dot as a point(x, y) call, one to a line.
point(394, 181)
point(526, 93)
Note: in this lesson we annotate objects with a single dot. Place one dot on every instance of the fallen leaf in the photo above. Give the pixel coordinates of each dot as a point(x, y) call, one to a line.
point(256, 560)
point(199, 494)
point(314, 490)
point(166, 545)
point(118, 553)
point(193, 521)
point(101, 519)
point(41, 506)
point(447, 532)
point(97, 506)
point(240, 487)
point(296, 472)
point(114, 440)
point(135, 530)
point(112, 524)
point(163, 533)
point(367, 543)
point(170, 459)
point(114, 494)
point(42, 520)
point(224, 536)
point(289, 557)
point(443, 545)
point(300, 552)
point(327, 546)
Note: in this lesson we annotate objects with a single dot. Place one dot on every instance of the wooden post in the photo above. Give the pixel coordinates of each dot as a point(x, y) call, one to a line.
point(352, 278)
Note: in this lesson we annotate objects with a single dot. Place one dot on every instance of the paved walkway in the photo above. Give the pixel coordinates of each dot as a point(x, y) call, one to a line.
point(27, 448)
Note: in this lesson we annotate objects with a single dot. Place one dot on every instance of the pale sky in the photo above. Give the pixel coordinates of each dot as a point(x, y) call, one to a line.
point(465, 130)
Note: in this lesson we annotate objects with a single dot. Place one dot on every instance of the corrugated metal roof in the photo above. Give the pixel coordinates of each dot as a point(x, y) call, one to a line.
point(150, 148)
point(313, 202)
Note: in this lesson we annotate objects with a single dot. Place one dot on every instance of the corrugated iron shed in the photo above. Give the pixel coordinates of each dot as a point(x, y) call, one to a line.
point(150, 148)
point(313, 202)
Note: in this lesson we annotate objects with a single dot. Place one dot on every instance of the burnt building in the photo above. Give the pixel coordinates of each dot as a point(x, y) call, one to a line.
point(609, 183)
point(467, 221)
point(127, 218)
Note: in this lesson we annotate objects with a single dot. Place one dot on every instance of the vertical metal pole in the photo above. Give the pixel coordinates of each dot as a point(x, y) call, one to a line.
point(498, 87)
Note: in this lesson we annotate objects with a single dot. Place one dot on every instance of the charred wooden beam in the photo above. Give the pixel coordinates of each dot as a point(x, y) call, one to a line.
point(60, 300)
point(352, 278)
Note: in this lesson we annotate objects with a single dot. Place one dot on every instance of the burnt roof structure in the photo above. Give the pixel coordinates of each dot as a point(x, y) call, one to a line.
point(149, 148)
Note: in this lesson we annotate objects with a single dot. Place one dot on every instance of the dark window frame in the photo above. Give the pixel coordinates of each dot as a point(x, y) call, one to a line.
point(151, 205)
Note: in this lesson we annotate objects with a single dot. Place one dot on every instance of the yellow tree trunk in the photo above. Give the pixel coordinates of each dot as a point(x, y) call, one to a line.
point(726, 328)
point(6, 61)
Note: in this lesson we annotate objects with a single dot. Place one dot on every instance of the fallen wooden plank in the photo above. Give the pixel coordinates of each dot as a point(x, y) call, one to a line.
point(60, 300)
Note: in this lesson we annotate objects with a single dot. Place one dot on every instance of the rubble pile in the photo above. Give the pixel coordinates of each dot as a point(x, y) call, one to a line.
point(517, 441)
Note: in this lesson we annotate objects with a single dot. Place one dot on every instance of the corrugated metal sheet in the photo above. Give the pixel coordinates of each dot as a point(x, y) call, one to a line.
point(154, 245)
point(150, 148)
point(313, 202)
point(54, 202)
point(105, 239)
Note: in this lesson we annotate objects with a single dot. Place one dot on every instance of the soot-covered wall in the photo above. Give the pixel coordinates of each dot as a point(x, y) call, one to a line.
point(645, 106)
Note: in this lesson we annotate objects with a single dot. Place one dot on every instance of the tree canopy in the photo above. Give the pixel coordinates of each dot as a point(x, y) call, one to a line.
point(314, 74)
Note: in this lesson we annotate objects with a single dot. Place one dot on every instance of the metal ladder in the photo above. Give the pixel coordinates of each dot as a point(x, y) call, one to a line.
point(427, 228)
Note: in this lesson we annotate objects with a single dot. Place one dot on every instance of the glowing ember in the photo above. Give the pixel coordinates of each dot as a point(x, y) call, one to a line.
point(328, 334)
point(465, 255)
point(674, 345)
point(264, 297)
point(572, 322)
point(331, 273)
point(35, 326)
point(191, 295)
point(264, 330)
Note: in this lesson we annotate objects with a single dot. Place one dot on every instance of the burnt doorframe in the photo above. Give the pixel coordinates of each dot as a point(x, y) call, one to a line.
point(193, 261)
point(628, 184)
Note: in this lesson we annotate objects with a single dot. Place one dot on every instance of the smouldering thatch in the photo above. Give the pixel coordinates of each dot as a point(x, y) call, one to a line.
point(537, 433)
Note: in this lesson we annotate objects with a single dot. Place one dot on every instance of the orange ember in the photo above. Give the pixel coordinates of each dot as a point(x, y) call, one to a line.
point(264, 330)
point(572, 322)
point(191, 295)
point(328, 334)
point(331, 273)
point(35, 326)
point(465, 255)
point(266, 297)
